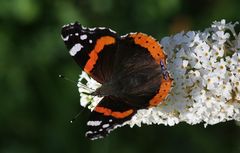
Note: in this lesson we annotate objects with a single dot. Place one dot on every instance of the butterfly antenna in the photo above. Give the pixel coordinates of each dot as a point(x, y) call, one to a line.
point(79, 113)
point(66, 78)
point(85, 87)
point(76, 116)
point(78, 83)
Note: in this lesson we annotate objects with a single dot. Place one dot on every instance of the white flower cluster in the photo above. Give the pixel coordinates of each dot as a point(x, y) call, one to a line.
point(86, 99)
point(205, 67)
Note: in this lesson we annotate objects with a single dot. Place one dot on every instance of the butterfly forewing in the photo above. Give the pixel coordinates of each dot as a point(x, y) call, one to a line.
point(92, 48)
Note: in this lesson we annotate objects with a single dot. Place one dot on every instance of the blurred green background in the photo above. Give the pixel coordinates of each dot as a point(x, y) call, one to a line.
point(36, 106)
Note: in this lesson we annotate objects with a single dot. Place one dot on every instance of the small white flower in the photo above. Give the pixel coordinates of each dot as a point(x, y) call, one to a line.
point(237, 42)
point(177, 39)
point(210, 81)
point(220, 37)
point(224, 90)
point(221, 68)
point(236, 84)
point(219, 25)
point(194, 77)
point(236, 58)
point(217, 51)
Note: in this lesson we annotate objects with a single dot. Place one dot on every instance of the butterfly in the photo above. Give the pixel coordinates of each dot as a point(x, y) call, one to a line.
point(131, 68)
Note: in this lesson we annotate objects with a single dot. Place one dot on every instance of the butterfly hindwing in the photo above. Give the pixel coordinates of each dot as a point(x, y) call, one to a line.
point(92, 48)
point(137, 73)
point(109, 114)
point(149, 62)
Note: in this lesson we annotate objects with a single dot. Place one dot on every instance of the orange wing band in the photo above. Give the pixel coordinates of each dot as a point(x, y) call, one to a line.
point(158, 54)
point(164, 89)
point(108, 112)
point(103, 41)
point(151, 44)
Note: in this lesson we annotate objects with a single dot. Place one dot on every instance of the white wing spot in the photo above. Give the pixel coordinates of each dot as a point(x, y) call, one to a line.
point(132, 33)
point(98, 137)
point(94, 123)
point(116, 126)
point(91, 29)
point(124, 35)
point(65, 25)
point(76, 48)
point(65, 38)
point(84, 28)
point(88, 132)
point(90, 41)
point(76, 34)
point(83, 37)
point(112, 31)
point(105, 125)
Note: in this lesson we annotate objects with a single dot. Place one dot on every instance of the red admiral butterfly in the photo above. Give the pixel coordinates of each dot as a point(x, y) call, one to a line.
point(131, 69)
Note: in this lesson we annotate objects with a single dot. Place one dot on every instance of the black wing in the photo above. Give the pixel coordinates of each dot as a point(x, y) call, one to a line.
point(92, 48)
point(109, 114)
point(137, 74)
